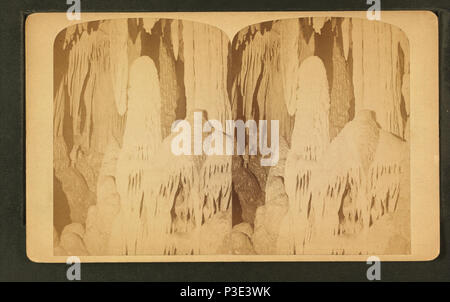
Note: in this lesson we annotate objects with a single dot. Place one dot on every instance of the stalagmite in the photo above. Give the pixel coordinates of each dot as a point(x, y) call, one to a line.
point(215, 183)
point(309, 140)
point(358, 181)
point(270, 215)
point(312, 111)
point(183, 195)
point(343, 170)
point(141, 140)
point(71, 241)
point(196, 192)
point(241, 239)
point(101, 215)
point(385, 173)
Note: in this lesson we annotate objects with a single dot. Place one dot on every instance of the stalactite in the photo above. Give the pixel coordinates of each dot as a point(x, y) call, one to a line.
point(77, 72)
point(375, 77)
point(205, 70)
point(58, 111)
point(318, 23)
point(341, 90)
point(170, 93)
point(346, 27)
point(174, 36)
point(251, 68)
point(148, 24)
point(289, 61)
point(118, 61)
point(60, 152)
point(269, 56)
point(91, 76)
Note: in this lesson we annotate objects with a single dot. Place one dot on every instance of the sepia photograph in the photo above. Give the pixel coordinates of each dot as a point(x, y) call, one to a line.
point(219, 149)
point(338, 89)
point(193, 137)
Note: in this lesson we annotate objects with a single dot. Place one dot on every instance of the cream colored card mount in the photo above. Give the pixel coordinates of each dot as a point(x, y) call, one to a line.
point(232, 136)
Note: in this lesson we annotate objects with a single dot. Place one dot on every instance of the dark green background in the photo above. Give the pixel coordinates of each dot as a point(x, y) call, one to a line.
point(14, 265)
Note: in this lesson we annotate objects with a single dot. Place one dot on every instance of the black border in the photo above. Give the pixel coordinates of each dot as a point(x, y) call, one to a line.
point(15, 266)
